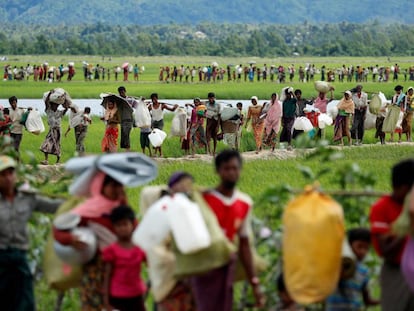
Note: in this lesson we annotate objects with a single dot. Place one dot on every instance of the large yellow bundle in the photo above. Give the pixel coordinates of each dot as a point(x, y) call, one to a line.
point(312, 246)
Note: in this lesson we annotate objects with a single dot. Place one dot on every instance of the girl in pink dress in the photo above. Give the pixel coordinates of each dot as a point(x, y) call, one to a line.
point(123, 287)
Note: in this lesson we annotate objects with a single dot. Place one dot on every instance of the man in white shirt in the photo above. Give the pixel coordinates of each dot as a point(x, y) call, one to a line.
point(361, 103)
point(16, 114)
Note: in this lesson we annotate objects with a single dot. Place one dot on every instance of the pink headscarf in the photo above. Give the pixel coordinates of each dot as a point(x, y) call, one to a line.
point(97, 205)
point(272, 121)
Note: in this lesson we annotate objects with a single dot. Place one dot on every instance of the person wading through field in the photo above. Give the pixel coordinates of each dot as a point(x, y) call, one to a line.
point(127, 119)
point(346, 109)
point(157, 116)
point(288, 118)
point(272, 122)
point(214, 289)
point(79, 121)
point(16, 132)
point(16, 208)
point(360, 100)
point(408, 113)
point(197, 132)
point(254, 113)
point(51, 144)
point(213, 122)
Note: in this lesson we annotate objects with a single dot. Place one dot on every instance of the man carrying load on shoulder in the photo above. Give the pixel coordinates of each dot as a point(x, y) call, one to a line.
point(214, 289)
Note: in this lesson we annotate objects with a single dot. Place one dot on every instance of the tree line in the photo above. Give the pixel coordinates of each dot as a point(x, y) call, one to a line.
point(233, 40)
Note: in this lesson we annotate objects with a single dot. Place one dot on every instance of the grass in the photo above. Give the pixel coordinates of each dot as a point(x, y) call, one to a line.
point(149, 78)
point(257, 176)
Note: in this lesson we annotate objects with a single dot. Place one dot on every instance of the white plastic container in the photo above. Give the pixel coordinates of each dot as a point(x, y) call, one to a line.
point(157, 137)
point(154, 227)
point(187, 225)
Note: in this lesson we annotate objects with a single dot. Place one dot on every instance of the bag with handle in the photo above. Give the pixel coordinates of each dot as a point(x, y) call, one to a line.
point(312, 246)
point(142, 115)
point(216, 255)
point(58, 274)
point(34, 123)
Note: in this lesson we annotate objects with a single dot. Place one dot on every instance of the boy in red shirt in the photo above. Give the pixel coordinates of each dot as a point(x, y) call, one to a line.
point(395, 293)
point(213, 291)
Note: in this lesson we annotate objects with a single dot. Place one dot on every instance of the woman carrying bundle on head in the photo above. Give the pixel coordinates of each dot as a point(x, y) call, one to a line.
point(51, 144)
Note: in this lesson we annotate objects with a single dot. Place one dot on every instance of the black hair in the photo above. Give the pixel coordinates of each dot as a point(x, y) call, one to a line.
point(274, 94)
point(239, 104)
point(109, 180)
point(12, 99)
point(403, 173)
point(211, 94)
point(359, 234)
point(281, 286)
point(87, 110)
point(298, 91)
point(154, 95)
point(122, 212)
point(121, 88)
point(227, 155)
point(6, 111)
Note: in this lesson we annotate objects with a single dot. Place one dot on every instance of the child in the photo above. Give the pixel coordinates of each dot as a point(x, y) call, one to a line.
point(144, 140)
point(123, 286)
point(286, 302)
point(349, 292)
point(239, 106)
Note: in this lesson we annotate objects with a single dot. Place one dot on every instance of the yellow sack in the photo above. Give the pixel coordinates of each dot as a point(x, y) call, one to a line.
point(58, 274)
point(312, 246)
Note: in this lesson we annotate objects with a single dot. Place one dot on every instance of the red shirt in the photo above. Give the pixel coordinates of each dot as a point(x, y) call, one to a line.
point(231, 212)
point(383, 213)
point(126, 279)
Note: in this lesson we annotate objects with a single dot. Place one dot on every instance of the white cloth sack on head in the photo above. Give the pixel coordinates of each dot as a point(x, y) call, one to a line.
point(154, 227)
point(157, 137)
point(34, 123)
point(187, 225)
point(142, 115)
point(323, 86)
point(130, 169)
point(303, 124)
point(179, 123)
